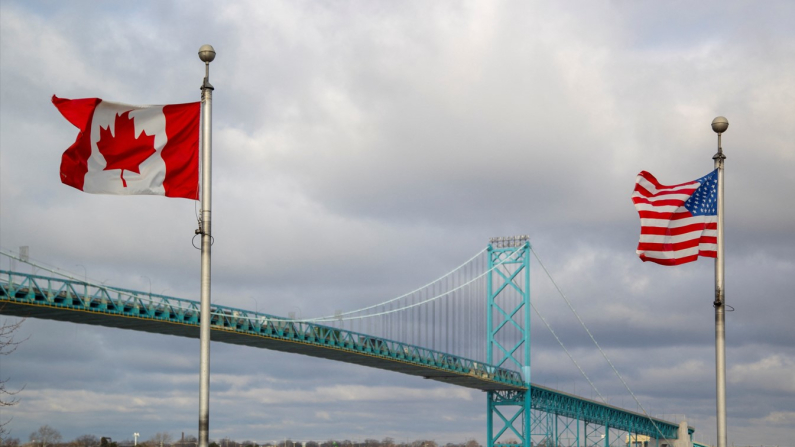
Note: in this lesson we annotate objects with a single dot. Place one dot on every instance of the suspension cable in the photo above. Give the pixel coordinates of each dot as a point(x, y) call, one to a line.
point(409, 306)
point(567, 351)
point(582, 323)
point(405, 294)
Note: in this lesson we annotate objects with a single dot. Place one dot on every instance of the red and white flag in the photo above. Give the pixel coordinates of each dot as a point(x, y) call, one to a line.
point(678, 223)
point(124, 149)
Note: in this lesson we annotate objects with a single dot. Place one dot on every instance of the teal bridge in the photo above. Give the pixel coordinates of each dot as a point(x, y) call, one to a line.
point(520, 413)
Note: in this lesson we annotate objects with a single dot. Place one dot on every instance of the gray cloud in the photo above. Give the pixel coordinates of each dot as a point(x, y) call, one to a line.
point(362, 149)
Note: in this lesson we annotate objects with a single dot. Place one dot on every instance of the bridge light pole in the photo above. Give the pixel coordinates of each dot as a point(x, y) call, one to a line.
point(85, 272)
point(256, 305)
point(85, 277)
point(150, 285)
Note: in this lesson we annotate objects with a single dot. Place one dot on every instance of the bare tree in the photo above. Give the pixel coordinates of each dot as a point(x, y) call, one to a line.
point(45, 436)
point(8, 345)
point(86, 441)
point(159, 439)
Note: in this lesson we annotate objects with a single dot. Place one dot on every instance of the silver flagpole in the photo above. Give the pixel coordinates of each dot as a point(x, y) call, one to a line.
point(719, 125)
point(206, 54)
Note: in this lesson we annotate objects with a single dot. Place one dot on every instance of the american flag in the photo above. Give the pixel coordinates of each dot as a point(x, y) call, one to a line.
point(678, 223)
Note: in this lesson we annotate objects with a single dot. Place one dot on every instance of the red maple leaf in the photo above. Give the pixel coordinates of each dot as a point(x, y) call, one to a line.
point(125, 151)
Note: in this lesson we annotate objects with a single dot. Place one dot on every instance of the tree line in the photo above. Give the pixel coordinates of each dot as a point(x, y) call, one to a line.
point(47, 436)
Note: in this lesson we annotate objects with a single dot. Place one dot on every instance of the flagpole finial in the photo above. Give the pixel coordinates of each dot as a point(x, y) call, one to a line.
point(207, 54)
point(719, 124)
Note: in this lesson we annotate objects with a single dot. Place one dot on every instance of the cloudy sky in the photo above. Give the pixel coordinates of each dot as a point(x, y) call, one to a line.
point(364, 148)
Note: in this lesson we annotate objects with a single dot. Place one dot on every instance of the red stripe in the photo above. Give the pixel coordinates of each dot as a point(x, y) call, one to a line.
point(658, 185)
point(651, 179)
point(708, 253)
point(646, 193)
point(642, 191)
point(74, 161)
point(664, 216)
point(676, 261)
point(688, 191)
point(655, 246)
point(673, 231)
point(181, 152)
point(669, 202)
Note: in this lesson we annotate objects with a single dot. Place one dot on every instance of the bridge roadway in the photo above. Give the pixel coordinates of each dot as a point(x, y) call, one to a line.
point(33, 296)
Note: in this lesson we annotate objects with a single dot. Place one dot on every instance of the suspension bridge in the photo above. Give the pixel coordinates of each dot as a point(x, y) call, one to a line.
point(435, 332)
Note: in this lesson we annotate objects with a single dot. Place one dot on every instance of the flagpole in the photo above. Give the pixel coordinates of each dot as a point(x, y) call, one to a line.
point(719, 125)
point(206, 54)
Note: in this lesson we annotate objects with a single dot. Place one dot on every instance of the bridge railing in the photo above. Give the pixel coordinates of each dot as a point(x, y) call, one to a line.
point(74, 293)
point(81, 295)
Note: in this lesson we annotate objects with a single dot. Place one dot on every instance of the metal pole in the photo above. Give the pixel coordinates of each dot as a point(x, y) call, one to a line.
point(719, 125)
point(206, 54)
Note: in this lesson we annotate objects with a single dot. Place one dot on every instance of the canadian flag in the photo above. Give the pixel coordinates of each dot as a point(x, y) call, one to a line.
point(124, 149)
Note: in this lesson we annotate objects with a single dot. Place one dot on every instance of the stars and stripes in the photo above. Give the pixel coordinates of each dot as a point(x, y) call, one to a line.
point(678, 223)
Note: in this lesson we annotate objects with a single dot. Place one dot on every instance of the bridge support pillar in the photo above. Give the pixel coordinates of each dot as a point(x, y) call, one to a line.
point(512, 411)
point(490, 419)
point(508, 338)
point(528, 423)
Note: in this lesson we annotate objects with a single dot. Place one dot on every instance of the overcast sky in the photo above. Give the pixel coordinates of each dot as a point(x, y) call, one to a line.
point(364, 148)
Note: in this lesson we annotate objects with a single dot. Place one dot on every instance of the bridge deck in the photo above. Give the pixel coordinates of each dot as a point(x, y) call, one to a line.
point(287, 341)
point(35, 296)
point(72, 301)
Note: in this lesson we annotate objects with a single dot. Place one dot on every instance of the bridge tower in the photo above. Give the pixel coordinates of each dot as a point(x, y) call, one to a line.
point(508, 337)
